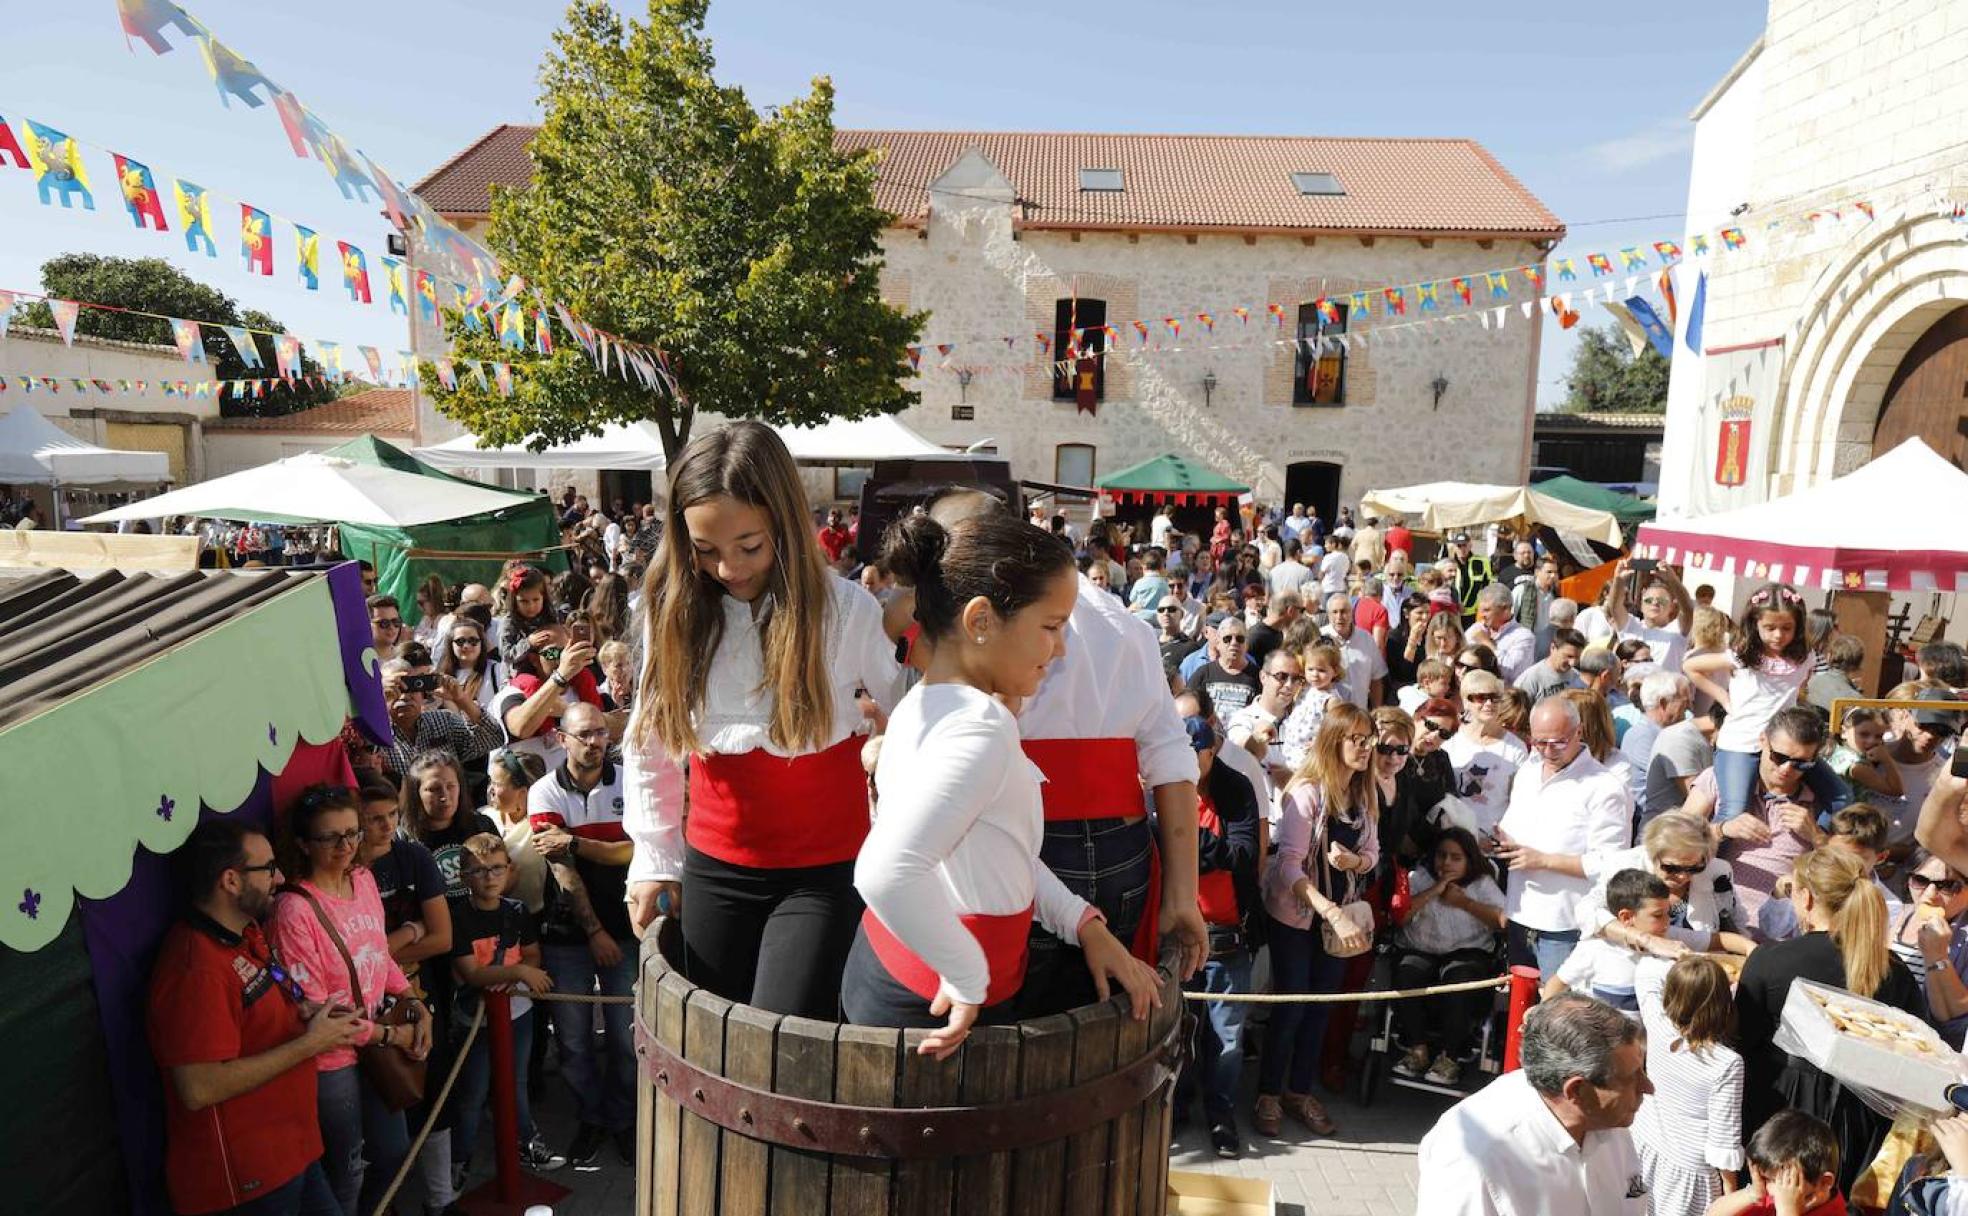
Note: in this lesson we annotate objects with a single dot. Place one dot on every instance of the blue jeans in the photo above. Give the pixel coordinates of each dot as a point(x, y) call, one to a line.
point(1735, 778)
point(355, 1125)
point(1105, 862)
point(475, 1081)
point(305, 1194)
point(604, 1091)
point(1219, 1060)
point(1292, 1046)
point(1548, 948)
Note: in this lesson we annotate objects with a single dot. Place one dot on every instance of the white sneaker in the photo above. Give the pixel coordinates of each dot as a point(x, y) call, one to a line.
point(1413, 1064)
point(1444, 1071)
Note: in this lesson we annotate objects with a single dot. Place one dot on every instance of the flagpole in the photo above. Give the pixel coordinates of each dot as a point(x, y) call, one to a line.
point(416, 379)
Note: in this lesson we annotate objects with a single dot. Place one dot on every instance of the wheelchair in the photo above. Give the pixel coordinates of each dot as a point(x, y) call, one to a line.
point(1383, 1041)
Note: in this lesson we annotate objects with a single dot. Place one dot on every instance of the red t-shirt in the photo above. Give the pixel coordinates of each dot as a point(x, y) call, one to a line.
point(1399, 539)
point(835, 542)
point(212, 998)
point(1766, 1206)
point(1368, 614)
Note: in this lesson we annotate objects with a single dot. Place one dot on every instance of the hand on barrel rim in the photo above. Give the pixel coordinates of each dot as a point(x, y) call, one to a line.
point(942, 1044)
point(1109, 960)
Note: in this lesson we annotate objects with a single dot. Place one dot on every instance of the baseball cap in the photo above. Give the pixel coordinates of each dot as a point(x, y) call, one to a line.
point(1202, 736)
point(1458, 538)
point(1948, 720)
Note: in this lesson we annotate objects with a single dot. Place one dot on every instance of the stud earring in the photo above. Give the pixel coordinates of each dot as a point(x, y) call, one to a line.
point(980, 639)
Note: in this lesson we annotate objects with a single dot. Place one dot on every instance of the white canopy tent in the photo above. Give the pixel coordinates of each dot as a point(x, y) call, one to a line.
point(36, 452)
point(639, 445)
point(318, 488)
point(1445, 505)
point(1833, 536)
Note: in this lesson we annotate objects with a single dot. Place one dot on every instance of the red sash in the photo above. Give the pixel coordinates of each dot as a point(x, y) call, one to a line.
point(773, 813)
point(1004, 939)
point(1216, 891)
point(1088, 778)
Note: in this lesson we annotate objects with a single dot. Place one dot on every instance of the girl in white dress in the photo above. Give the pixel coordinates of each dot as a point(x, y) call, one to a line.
point(1689, 1130)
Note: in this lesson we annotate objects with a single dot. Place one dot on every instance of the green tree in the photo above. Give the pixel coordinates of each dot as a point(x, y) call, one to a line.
point(1607, 377)
point(665, 209)
point(153, 285)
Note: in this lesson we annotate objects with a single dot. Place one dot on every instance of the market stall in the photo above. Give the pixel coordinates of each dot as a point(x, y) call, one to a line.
point(1629, 509)
point(147, 703)
point(1442, 506)
point(36, 453)
point(639, 445)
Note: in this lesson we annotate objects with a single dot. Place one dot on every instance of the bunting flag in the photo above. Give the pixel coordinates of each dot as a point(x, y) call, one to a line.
point(542, 332)
point(1666, 284)
point(512, 327)
point(1564, 269)
point(1700, 243)
point(1327, 310)
point(1695, 310)
point(1277, 312)
point(255, 240)
point(446, 374)
point(233, 75)
point(1600, 264)
point(1657, 332)
point(943, 349)
point(399, 298)
point(6, 311)
point(1561, 308)
point(426, 298)
point(1397, 302)
point(1242, 314)
point(1732, 238)
point(10, 149)
point(194, 216)
point(57, 163)
point(139, 191)
point(395, 205)
point(478, 374)
point(1207, 321)
point(1865, 208)
point(65, 313)
point(462, 300)
point(408, 371)
point(1499, 283)
point(242, 342)
point(502, 372)
point(1045, 343)
point(355, 273)
point(147, 20)
point(307, 257)
point(1141, 331)
point(1463, 290)
point(191, 347)
point(287, 355)
point(915, 357)
point(1425, 296)
point(374, 359)
point(1636, 334)
point(1669, 251)
point(1631, 257)
point(329, 356)
point(1174, 327)
point(1358, 306)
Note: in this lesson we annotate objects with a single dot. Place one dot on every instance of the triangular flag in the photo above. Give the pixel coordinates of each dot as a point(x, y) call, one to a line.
point(65, 313)
point(242, 341)
point(1693, 337)
point(1657, 333)
point(1636, 336)
point(190, 345)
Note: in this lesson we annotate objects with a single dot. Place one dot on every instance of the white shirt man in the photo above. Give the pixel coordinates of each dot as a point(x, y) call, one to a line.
point(1539, 1142)
point(1334, 568)
point(1366, 667)
point(1666, 610)
point(1161, 528)
point(1515, 646)
point(1293, 526)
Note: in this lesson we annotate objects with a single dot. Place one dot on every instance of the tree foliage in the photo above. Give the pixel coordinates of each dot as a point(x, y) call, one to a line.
point(154, 285)
point(1607, 377)
point(664, 208)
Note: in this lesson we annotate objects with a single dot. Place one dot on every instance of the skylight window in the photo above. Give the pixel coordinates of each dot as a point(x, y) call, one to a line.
point(1317, 183)
point(1104, 180)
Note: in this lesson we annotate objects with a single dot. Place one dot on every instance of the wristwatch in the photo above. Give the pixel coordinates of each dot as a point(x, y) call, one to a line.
point(559, 679)
point(1937, 964)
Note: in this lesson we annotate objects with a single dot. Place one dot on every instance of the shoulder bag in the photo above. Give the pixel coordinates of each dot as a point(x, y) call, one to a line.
point(397, 1079)
point(1346, 894)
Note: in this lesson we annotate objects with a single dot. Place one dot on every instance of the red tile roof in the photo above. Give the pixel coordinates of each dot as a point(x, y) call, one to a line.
point(377, 411)
point(1447, 187)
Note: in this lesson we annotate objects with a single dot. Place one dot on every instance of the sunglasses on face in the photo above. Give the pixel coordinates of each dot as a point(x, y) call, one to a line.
point(1482, 698)
point(1673, 871)
point(1437, 729)
point(466, 640)
point(1802, 764)
point(1168, 611)
point(1286, 677)
point(387, 622)
point(1392, 749)
point(1949, 887)
point(1548, 744)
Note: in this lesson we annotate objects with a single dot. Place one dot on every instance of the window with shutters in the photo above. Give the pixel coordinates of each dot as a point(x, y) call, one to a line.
point(1320, 373)
point(1088, 319)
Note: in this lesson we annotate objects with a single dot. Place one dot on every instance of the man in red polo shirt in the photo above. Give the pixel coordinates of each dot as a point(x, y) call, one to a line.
point(236, 1043)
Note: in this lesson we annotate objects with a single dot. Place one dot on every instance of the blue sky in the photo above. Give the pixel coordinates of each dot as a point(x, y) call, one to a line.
point(1587, 104)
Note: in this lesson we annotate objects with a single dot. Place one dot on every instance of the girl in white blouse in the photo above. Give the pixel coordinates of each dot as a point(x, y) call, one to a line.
point(754, 657)
point(951, 871)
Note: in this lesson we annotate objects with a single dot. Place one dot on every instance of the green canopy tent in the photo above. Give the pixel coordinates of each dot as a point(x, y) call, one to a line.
point(1174, 480)
point(469, 550)
point(1623, 507)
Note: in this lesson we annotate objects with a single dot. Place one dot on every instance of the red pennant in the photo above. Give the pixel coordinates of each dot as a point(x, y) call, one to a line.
point(10, 147)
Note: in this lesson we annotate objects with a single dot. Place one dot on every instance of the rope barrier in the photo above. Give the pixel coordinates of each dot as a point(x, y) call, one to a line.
point(436, 1109)
point(1336, 998)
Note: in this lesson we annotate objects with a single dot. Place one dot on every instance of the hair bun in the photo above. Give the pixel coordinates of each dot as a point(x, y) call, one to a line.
point(913, 548)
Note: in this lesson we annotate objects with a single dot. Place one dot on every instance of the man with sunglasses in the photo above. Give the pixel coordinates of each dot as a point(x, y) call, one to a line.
point(1255, 727)
point(385, 626)
point(236, 1042)
point(1780, 823)
point(1171, 638)
point(1919, 750)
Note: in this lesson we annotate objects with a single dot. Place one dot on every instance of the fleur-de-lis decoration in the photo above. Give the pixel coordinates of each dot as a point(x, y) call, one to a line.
point(165, 805)
point(31, 903)
point(273, 734)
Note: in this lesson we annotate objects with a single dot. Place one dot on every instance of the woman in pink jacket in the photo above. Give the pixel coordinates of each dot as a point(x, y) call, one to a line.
point(328, 928)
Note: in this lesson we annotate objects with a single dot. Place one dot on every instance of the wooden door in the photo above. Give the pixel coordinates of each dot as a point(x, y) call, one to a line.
point(1928, 395)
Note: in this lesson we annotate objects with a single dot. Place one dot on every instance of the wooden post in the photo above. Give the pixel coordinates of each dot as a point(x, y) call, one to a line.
point(1863, 614)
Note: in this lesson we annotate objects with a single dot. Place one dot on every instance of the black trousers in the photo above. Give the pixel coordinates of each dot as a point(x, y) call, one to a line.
point(1449, 1021)
point(776, 939)
point(870, 996)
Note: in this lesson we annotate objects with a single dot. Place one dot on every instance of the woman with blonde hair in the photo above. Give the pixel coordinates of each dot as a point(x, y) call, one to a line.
point(753, 655)
point(1843, 945)
point(1484, 752)
point(1702, 909)
point(1328, 843)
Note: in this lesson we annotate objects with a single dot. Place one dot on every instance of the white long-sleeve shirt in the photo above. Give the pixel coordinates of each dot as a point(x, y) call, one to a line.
point(1583, 808)
point(957, 832)
point(736, 715)
point(1109, 685)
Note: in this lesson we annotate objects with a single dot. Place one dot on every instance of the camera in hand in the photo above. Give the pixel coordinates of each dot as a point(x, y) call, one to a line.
point(423, 683)
point(1959, 765)
point(1642, 565)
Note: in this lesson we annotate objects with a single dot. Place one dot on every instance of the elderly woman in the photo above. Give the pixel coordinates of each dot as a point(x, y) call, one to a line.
point(1702, 912)
point(1929, 936)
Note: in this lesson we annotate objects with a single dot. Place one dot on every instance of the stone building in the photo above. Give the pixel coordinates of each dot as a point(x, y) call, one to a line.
point(1841, 327)
point(136, 420)
point(1008, 236)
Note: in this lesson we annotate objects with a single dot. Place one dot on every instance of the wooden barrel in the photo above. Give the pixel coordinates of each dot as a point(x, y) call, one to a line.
point(744, 1112)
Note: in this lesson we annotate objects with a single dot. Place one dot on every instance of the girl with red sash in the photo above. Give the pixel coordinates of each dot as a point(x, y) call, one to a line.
point(753, 656)
point(951, 871)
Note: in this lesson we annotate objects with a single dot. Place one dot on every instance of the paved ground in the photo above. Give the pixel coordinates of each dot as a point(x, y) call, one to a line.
point(1368, 1169)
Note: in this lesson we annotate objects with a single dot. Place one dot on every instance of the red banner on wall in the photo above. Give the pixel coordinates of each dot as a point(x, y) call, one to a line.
point(1732, 452)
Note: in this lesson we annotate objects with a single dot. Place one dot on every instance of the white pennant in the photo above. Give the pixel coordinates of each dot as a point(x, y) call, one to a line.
point(1528, 306)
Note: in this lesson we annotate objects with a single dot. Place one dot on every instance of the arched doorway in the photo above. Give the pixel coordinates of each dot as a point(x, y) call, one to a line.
point(1927, 398)
point(1314, 483)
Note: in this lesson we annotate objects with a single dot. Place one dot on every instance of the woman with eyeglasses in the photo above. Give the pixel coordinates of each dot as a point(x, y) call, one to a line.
point(466, 658)
point(328, 925)
point(1930, 938)
point(1328, 843)
point(1702, 910)
point(1485, 755)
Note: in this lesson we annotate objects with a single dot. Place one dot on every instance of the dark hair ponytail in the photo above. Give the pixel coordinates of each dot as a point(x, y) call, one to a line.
point(1006, 561)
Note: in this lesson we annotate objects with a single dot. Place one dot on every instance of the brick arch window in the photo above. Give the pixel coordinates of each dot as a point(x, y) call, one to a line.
point(1319, 371)
point(1087, 316)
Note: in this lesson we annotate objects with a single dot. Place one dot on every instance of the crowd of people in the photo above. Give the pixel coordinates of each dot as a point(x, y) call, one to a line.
point(983, 776)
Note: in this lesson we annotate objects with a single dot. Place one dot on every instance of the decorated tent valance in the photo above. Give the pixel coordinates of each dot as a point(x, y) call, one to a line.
point(1173, 480)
